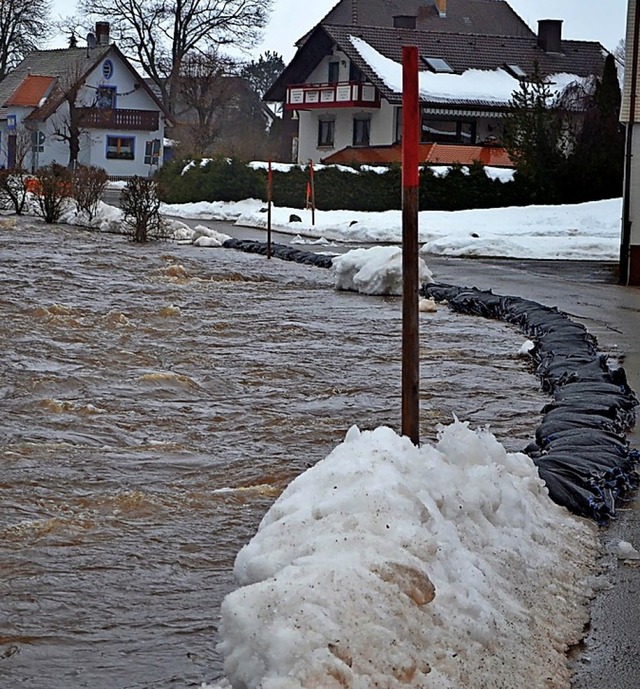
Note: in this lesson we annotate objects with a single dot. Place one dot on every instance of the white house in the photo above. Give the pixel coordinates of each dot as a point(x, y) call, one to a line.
point(343, 88)
point(121, 123)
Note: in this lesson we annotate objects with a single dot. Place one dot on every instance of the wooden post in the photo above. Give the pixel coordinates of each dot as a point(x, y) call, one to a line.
point(313, 194)
point(410, 184)
point(269, 200)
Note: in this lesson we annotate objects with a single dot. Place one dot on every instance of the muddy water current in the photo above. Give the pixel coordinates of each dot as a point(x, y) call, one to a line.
point(155, 400)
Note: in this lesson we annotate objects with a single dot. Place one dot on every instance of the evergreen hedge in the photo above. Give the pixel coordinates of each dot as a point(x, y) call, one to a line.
point(336, 188)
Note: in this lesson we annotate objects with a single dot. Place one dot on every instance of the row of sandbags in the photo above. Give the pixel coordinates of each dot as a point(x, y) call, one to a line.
point(580, 447)
point(282, 251)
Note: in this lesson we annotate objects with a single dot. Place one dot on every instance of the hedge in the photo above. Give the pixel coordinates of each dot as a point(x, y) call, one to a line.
point(336, 188)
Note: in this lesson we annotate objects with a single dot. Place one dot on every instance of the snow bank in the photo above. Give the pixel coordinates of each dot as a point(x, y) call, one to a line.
point(377, 270)
point(394, 566)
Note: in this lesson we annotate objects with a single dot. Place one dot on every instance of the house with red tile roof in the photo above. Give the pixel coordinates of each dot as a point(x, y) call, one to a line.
point(121, 122)
point(342, 91)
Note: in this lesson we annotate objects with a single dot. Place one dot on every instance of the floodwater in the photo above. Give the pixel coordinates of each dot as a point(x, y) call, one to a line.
point(155, 400)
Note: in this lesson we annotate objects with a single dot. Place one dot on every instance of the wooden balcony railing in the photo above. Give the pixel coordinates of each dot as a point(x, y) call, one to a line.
point(119, 120)
point(344, 94)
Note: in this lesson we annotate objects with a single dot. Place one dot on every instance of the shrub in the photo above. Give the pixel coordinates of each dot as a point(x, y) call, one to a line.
point(141, 207)
point(88, 183)
point(52, 190)
point(216, 179)
point(14, 189)
point(337, 188)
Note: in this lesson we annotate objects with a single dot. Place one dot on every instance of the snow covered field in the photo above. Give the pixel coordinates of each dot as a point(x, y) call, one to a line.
point(588, 231)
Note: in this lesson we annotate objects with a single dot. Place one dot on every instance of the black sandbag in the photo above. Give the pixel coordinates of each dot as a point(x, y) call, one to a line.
point(611, 408)
point(597, 388)
point(580, 448)
point(440, 292)
point(281, 251)
point(578, 496)
point(485, 304)
point(567, 438)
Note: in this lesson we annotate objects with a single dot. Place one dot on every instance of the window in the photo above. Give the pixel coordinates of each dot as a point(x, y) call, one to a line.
point(355, 74)
point(398, 125)
point(121, 147)
point(326, 133)
point(334, 72)
point(438, 65)
point(361, 131)
point(448, 131)
point(404, 22)
point(152, 152)
point(106, 97)
point(107, 69)
point(516, 71)
point(37, 142)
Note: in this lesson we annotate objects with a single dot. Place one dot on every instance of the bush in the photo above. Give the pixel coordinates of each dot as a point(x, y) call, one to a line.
point(88, 183)
point(52, 189)
point(141, 207)
point(336, 188)
point(14, 189)
point(216, 179)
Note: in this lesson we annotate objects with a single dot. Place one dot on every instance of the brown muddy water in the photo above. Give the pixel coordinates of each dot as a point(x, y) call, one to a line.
point(155, 400)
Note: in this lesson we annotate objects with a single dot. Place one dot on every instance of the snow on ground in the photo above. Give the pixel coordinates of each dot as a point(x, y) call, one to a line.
point(388, 565)
point(587, 231)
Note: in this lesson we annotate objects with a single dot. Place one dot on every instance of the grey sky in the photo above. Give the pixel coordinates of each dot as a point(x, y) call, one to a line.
point(596, 20)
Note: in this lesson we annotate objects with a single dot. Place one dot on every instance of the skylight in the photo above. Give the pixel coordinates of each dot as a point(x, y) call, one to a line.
point(438, 65)
point(516, 71)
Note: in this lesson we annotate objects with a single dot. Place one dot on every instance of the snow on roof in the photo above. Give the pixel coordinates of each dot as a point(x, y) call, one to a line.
point(493, 87)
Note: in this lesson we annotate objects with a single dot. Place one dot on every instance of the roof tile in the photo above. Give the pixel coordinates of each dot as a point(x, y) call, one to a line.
point(31, 91)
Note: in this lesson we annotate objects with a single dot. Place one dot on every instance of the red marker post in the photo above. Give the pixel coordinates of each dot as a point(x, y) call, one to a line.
point(269, 201)
point(313, 193)
point(410, 186)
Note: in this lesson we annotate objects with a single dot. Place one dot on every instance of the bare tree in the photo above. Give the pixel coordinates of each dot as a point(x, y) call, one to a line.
point(205, 88)
point(24, 24)
point(68, 125)
point(160, 34)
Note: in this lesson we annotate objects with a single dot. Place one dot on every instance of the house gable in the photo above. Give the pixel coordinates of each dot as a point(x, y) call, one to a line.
point(121, 121)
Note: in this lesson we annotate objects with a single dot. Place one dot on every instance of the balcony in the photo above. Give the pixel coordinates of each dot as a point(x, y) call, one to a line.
point(119, 120)
point(344, 94)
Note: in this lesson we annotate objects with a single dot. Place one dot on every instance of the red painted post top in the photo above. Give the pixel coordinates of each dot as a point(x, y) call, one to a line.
point(410, 117)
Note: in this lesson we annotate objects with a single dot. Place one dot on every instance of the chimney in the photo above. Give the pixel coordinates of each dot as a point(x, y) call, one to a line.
point(550, 35)
point(102, 33)
point(441, 6)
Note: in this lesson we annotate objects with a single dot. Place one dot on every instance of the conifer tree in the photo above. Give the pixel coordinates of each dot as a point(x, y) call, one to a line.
point(536, 135)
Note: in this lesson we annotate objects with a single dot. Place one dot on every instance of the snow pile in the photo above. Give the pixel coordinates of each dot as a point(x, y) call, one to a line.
point(212, 210)
point(394, 566)
point(207, 236)
point(377, 270)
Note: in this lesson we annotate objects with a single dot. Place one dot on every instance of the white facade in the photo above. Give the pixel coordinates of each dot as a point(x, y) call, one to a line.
point(384, 119)
point(109, 88)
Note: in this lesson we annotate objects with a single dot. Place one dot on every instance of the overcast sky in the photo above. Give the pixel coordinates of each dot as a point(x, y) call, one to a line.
point(596, 20)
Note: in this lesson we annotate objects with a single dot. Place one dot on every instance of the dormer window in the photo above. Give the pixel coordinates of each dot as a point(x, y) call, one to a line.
point(437, 65)
point(516, 71)
point(404, 21)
